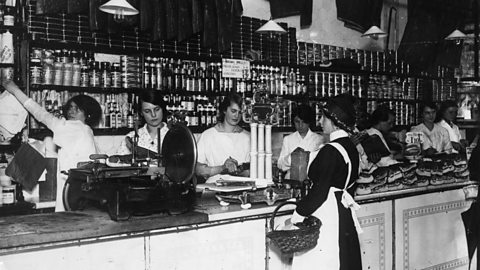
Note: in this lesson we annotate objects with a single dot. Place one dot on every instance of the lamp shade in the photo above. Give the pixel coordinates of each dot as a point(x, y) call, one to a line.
point(374, 32)
point(271, 27)
point(456, 35)
point(118, 7)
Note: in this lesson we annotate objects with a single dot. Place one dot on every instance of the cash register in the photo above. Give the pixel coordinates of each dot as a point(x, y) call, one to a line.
point(138, 188)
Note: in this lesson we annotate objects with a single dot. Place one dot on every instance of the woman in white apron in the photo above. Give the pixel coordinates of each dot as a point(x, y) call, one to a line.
point(332, 173)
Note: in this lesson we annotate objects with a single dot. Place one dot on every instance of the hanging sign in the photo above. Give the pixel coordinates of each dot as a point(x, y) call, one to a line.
point(234, 68)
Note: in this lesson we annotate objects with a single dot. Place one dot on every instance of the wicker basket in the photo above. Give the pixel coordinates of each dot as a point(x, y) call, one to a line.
point(301, 239)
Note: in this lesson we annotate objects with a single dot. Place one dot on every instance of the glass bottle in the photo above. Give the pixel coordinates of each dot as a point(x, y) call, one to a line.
point(76, 74)
point(105, 79)
point(35, 71)
point(67, 74)
point(84, 76)
point(58, 73)
point(9, 16)
point(116, 76)
point(94, 75)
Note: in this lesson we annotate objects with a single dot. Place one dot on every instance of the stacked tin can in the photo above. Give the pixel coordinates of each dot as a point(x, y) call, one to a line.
point(131, 71)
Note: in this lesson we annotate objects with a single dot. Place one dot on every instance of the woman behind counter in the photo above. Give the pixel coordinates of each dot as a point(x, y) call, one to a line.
point(152, 108)
point(303, 118)
point(226, 146)
point(436, 139)
point(333, 172)
point(73, 135)
point(446, 115)
point(382, 120)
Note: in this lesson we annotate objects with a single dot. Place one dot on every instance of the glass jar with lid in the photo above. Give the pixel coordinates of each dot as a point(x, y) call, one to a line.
point(35, 71)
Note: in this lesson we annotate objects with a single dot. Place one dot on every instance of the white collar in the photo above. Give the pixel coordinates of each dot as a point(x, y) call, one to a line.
point(337, 134)
point(309, 133)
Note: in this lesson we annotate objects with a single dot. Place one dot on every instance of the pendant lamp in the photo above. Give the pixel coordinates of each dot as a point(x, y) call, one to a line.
point(374, 32)
point(271, 27)
point(456, 36)
point(119, 8)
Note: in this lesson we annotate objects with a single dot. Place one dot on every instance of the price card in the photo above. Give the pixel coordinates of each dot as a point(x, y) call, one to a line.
point(234, 68)
point(414, 138)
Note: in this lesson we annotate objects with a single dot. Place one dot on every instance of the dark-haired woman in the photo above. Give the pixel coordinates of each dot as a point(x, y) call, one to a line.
point(333, 173)
point(303, 137)
point(152, 108)
point(436, 139)
point(226, 146)
point(382, 120)
point(446, 116)
point(73, 135)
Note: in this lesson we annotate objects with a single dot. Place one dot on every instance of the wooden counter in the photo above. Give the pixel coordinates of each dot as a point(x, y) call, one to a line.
point(216, 237)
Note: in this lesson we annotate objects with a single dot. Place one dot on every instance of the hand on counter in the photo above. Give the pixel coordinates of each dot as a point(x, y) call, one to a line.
point(230, 165)
point(374, 157)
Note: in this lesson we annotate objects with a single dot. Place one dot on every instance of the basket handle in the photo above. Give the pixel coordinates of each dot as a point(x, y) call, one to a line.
point(275, 213)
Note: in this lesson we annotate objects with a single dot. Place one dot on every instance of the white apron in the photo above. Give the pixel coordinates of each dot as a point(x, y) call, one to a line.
point(326, 254)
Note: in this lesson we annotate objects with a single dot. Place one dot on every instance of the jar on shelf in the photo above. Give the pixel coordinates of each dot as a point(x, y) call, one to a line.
point(9, 16)
point(58, 73)
point(76, 74)
point(67, 74)
point(35, 71)
point(48, 73)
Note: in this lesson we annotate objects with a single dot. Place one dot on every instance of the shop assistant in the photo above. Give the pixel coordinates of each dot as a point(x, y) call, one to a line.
point(436, 138)
point(226, 146)
point(303, 118)
point(73, 135)
point(152, 108)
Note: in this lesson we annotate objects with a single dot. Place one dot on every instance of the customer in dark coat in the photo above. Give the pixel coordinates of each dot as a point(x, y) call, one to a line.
point(333, 173)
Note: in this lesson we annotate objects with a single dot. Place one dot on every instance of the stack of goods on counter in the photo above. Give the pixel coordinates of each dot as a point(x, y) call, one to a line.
point(445, 169)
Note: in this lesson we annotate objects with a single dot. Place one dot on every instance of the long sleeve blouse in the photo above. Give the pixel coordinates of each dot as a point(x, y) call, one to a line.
point(327, 170)
point(75, 139)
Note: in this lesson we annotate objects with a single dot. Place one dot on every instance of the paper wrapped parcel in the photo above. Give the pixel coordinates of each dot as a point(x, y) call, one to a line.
point(12, 117)
point(27, 166)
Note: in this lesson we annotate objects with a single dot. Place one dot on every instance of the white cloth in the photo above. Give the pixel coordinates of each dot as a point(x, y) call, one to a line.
point(144, 140)
point(312, 142)
point(75, 139)
point(453, 131)
point(12, 114)
point(436, 138)
point(326, 253)
point(214, 147)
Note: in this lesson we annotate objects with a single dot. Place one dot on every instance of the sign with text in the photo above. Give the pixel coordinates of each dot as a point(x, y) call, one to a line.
point(234, 68)
point(414, 137)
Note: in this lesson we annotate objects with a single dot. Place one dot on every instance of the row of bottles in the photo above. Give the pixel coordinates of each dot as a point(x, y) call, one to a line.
point(80, 68)
point(405, 113)
point(119, 109)
point(444, 90)
point(328, 84)
point(393, 87)
point(315, 54)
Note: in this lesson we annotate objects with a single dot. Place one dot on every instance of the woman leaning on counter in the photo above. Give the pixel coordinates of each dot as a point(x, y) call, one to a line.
point(333, 172)
point(152, 108)
point(436, 138)
point(303, 118)
point(445, 117)
point(73, 135)
point(226, 146)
